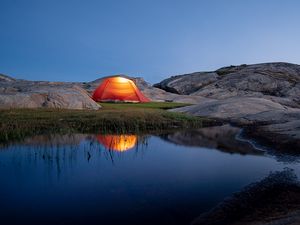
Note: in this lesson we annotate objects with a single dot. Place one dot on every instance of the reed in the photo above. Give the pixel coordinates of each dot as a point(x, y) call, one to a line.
point(112, 118)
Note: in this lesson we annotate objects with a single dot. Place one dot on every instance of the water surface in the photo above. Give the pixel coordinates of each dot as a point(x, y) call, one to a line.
point(127, 179)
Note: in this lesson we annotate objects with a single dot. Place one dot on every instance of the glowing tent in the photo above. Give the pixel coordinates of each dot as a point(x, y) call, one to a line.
point(118, 143)
point(118, 89)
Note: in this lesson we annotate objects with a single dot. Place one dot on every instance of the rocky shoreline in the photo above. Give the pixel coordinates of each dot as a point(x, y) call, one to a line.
point(264, 99)
point(273, 200)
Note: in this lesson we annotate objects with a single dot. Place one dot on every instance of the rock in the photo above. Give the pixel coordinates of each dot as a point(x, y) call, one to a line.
point(30, 94)
point(278, 70)
point(273, 200)
point(280, 80)
point(231, 108)
point(294, 93)
point(268, 121)
point(284, 136)
point(5, 78)
point(273, 79)
point(156, 94)
point(248, 95)
point(271, 117)
point(264, 97)
point(187, 83)
point(75, 95)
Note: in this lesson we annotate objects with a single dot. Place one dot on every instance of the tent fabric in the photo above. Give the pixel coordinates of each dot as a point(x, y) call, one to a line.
point(118, 89)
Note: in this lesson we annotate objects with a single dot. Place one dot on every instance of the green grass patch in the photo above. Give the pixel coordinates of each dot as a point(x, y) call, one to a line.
point(147, 105)
point(15, 124)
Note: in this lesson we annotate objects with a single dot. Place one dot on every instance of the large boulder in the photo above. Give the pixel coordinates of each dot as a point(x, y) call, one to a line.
point(29, 94)
point(264, 119)
point(271, 79)
point(265, 97)
point(231, 108)
point(278, 80)
point(159, 95)
point(187, 83)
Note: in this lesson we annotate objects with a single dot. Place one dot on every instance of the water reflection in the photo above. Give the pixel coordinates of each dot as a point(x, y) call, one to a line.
point(57, 152)
point(276, 196)
point(119, 143)
point(89, 179)
point(223, 138)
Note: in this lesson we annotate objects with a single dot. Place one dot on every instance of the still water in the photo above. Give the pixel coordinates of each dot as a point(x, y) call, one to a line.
point(125, 179)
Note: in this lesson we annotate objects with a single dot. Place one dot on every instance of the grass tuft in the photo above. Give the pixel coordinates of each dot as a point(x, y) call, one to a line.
point(16, 124)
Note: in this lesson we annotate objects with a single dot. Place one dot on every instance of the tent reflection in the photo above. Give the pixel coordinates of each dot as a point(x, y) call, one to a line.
point(118, 143)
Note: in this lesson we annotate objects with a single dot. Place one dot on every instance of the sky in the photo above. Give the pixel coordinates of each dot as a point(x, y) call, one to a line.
point(60, 40)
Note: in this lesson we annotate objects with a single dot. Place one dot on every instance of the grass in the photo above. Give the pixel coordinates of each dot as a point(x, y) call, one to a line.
point(16, 124)
point(147, 105)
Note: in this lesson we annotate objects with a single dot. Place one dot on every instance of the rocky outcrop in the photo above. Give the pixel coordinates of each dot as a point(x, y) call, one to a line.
point(187, 83)
point(273, 79)
point(278, 80)
point(263, 97)
point(284, 136)
point(33, 94)
point(231, 108)
point(5, 78)
point(158, 95)
point(263, 119)
point(76, 95)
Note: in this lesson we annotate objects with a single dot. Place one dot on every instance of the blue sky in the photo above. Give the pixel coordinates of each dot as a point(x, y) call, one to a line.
point(84, 40)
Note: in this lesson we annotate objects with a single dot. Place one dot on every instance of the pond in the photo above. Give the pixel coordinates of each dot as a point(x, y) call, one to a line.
point(168, 178)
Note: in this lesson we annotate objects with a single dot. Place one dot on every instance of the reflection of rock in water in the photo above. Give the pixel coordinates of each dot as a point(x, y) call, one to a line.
point(273, 200)
point(52, 140)
point(56, 140)
point(218, 137)
point(56, 153)
point(58, 147)
point(118, 143)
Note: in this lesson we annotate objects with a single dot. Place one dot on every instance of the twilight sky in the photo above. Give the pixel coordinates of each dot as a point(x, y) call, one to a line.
point(75, 40)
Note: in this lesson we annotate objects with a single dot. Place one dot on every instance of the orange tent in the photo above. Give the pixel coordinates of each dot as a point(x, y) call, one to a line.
point(118, 143)
point(118, 89)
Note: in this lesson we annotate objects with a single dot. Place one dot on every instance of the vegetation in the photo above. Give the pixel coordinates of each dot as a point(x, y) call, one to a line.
point(112, 118)
point(147, 105)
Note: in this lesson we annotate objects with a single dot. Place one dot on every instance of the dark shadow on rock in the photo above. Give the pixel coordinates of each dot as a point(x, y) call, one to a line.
point(273, 200)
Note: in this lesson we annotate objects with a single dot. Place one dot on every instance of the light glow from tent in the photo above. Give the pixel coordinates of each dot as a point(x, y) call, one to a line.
point(118, 89)
point(121, 79)
point(119, 143)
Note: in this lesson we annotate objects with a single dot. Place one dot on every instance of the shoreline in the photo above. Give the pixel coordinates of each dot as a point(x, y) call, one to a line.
point(17, 124)
point(273, 200)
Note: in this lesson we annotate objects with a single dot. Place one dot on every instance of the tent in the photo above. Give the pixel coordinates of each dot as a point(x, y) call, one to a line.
point(118, 89)
point(118, 143)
